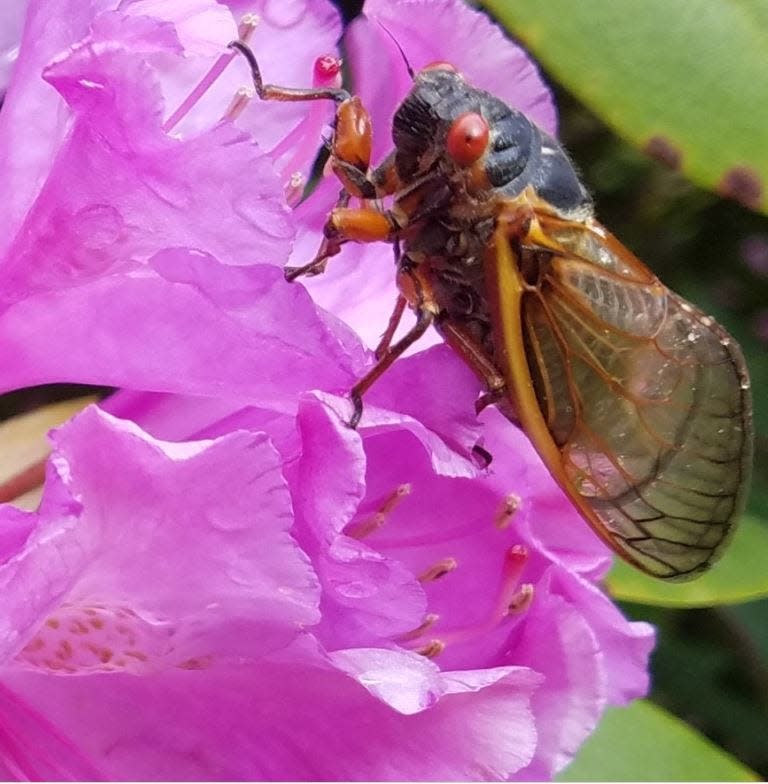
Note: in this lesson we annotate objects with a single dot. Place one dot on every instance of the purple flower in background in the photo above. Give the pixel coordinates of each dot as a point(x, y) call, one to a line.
point(222, 580)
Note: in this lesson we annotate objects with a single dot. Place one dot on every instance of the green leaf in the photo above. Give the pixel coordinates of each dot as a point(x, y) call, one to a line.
point(687, 81)
point(645, 743)
point(740, 576)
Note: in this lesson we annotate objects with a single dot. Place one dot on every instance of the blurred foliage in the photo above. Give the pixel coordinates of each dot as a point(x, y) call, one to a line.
point(628, 61)
point(645, 742)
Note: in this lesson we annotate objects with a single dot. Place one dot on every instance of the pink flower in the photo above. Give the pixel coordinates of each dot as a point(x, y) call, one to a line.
point(223, 581)
point(11, 20)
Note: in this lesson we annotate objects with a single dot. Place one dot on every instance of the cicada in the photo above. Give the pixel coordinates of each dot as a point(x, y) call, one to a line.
point(637, 402)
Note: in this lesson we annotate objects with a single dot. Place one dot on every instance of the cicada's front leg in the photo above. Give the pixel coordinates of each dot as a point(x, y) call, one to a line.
point(350, 159)
point(349, 224)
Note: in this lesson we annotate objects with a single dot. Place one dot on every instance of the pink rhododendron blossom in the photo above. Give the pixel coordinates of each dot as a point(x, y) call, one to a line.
point(223, 580)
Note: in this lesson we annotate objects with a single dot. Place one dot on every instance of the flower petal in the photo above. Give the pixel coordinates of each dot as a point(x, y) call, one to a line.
point(32, 749)
point(366, 596)
point(27, 148)
point(121, 189)
point(12, 15)
point(297, 718)
point(558, 642)
point(161, 334)
point(228, 580)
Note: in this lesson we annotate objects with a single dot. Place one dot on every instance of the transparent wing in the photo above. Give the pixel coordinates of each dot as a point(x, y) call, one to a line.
point(643, 399)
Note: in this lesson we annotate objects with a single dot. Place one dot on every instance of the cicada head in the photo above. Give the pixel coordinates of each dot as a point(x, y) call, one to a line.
point(446, 122)
point(479, 143)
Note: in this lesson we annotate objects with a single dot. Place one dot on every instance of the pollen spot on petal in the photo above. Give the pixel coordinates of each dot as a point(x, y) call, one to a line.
point(65, 650)
point(36, 645)
point(81, 639)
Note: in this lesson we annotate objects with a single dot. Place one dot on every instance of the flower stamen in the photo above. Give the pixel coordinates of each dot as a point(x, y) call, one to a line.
point(294, 188)
point(429, 620)
point(366, 527)
point(245, 30)
point(506, 511)
point(240, 100)
point(512, 599)
point(438, 570)
point(521, 601)
point(514, 562)
point(248, 24)
point(309, 132)
point(432, 649)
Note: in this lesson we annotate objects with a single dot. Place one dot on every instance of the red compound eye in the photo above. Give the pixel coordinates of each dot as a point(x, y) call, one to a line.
point(467, 138)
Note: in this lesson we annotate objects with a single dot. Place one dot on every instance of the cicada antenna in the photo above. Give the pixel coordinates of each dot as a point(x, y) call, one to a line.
point(408, 67)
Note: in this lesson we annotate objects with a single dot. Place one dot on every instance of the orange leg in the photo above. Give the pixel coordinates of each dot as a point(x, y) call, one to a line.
point(389, 332)
point(352, 133)
point(424, 318)
point(416, 291)
point(468, 348)
point(271, 92)
point(345, 224)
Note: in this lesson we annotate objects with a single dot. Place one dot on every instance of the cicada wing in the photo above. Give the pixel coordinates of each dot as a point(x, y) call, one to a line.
point(637, 402)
